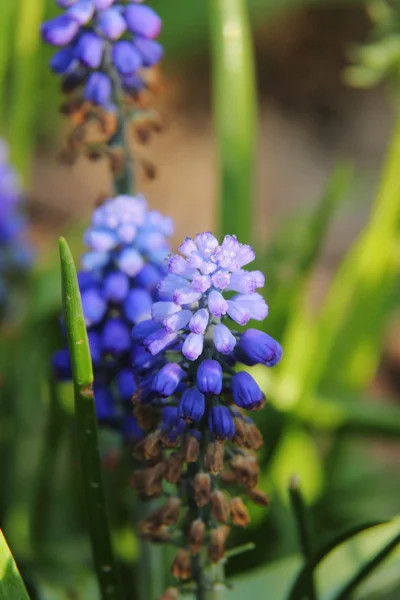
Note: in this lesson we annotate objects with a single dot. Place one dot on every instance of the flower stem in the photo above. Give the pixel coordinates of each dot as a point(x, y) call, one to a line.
point(123, 182)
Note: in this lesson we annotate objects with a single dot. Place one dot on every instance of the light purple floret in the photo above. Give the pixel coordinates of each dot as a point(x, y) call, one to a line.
point(196, 295)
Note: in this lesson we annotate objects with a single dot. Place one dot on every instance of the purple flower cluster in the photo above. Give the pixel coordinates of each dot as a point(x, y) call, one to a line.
point(15, 254)
point(127, 245)
point(96, 37)
point(191, 351)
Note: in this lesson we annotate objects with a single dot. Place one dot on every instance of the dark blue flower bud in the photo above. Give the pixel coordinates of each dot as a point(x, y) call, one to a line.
point(105, 408)
point(94, 306)
point(259, 348)
point(245, 391)
point(86, 280)
point(115, 337)
point(220, 423)
point(143, 21)
point(141, 359)
point(89, 50)
point(149, 277)
point(192, 405)
point(209, 377)
point(150, 51)
point(116, 287)
point(60, 31)
point(95, 347)
point(62, 61)
point(98, 89)
point(126, 58)
point(172, 423)
point(167, 379)
point(126, 384)
point(143, 329)
point(137, 306)
point(62, 365)
point(111, 23)
point(131, 429)
point(82, 11)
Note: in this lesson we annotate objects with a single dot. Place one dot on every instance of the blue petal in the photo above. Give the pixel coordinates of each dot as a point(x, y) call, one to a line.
point(126, 58)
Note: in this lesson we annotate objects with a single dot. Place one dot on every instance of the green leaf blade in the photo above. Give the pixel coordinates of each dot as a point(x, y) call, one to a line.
point(11, 585)
point(235, 115)
point(87, 433)
point(77, 338)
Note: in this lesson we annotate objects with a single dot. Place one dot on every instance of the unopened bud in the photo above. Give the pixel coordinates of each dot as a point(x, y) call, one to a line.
point(258, 497)
point(173, 469)
point(202, 489)
point(220, 509)
point(181, 568)
point(254, 437)
point(145, 416)
point(196, 535)
point(240, 437)
point(169, 513)
point(191, 448)
point(149, 169)
point(108, 122)
point(170, 594)
point(117, 160)
point(246, 469)
point(216, 548)
point(148, 482)
point(152, 446)
point(228, 477)
point(214, 458)
point(71, 106)
point(240, 514)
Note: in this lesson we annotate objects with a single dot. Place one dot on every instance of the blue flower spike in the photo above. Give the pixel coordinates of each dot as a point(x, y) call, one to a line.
point(125, 261)
point(96, 37)
point(198, 398)
point(15, 252)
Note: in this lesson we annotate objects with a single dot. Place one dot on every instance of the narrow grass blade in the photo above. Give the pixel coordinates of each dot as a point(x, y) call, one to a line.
point(299, 588)
point(22, 129)
point(7, 20)
point(235, 115)
point(87, 429)
point(11, 585)
point(303, 529)
point(367, 569)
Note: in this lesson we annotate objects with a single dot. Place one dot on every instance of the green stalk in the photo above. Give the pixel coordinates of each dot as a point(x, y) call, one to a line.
point(53, 435)
point(303, 529)
point(7, 17)
point(12, 586)
point(235, 113)
point(25, 84)
point(86, 424)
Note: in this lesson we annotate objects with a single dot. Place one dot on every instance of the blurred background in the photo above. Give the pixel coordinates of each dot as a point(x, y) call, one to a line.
point(332, 265)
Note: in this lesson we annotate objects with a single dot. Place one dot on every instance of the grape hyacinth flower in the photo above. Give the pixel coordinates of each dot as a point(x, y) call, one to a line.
point(104, 45)
point(15, 253)
point(192, 402)
point(127, 245)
